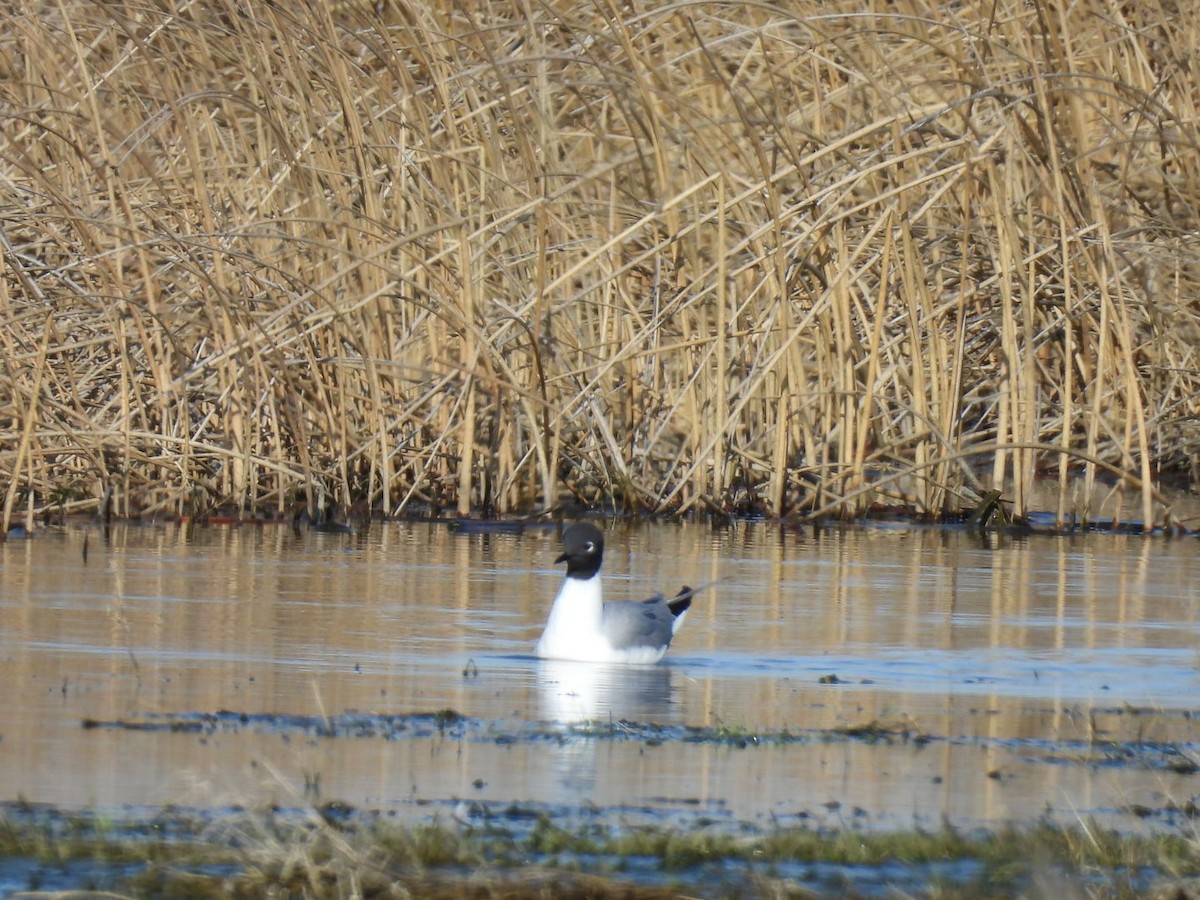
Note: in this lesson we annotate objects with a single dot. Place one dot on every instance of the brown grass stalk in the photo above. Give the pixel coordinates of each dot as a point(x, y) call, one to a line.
point(741, 258)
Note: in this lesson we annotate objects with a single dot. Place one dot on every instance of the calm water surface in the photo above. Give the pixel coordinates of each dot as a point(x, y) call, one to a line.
point(1018, 656)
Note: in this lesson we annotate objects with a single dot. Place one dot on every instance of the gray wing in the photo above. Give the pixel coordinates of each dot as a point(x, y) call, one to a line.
point(632, 623)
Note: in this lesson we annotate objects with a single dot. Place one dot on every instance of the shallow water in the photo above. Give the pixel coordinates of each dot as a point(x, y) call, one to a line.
point(916, 675)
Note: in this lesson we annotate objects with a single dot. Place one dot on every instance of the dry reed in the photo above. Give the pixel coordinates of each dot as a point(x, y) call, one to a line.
point(739, 257)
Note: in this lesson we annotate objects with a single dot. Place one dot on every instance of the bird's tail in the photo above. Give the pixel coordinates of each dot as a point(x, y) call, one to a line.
point(680, 602)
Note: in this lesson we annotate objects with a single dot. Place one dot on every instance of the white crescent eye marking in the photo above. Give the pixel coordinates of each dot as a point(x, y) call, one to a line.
point(589, 547)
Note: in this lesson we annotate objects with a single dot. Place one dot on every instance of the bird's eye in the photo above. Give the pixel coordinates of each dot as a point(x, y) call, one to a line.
point(589, 547)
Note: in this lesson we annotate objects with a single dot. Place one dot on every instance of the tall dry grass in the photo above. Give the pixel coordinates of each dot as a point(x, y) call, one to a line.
point(802, 258)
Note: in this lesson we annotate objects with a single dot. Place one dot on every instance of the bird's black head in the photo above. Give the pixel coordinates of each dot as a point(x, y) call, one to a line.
point(583, 550)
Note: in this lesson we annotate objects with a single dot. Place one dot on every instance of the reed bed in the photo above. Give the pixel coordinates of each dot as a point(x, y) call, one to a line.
point(808, 259)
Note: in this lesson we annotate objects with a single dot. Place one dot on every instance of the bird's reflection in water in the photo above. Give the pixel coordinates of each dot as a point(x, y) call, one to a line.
point(571, 692)
point(583, 692)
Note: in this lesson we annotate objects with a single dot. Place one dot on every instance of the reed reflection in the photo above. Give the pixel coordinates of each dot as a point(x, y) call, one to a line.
point(1045, 641)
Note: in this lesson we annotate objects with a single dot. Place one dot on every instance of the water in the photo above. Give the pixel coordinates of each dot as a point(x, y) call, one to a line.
point(982, 680)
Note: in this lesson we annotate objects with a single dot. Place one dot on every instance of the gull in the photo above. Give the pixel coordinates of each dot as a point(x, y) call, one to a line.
point(582, 626)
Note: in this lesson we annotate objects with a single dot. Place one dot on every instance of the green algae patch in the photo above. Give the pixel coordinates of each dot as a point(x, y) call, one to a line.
point(341, 852)
point(1133, 752)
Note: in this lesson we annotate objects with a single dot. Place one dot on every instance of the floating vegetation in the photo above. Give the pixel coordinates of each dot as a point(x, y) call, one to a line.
point(1169, 756)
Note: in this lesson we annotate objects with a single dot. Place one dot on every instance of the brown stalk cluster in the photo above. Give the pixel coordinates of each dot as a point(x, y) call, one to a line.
point(806, 259)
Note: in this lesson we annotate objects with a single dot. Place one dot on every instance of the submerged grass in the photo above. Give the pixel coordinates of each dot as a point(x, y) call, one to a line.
point(736, 257)
point(269, 854)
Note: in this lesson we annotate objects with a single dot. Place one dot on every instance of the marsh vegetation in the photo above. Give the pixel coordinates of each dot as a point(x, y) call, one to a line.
point(335, 851)
point(721, 257)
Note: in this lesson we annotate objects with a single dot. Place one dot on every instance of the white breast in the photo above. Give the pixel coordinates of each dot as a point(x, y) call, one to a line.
point(573, 628)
